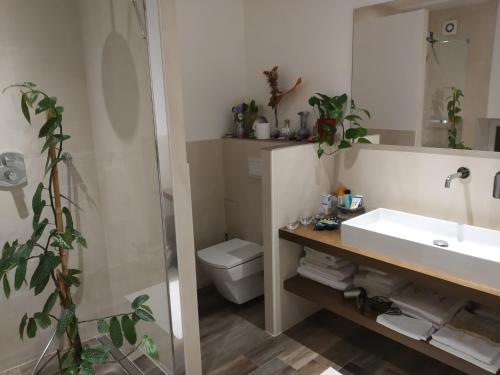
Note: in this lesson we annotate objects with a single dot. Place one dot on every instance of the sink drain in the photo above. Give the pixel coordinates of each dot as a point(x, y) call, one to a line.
point(440, 243)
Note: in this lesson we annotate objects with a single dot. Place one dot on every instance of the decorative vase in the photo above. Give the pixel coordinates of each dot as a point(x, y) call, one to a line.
point(286, 132)
point(240, 130)
point(303, 132)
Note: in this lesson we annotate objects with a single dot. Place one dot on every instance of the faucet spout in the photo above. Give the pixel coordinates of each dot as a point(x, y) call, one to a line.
point(451, 177)
point(462, 173)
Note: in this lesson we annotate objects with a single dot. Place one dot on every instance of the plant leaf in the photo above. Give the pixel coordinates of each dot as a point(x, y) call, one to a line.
point(31, 328)
point(102, 326)
point(38, 231)
point(43, 320)
point(20, 275)
point(364, 140)
point(66, 317)
point(144, 315)
point(36, 202)
point(69, 219)
point(45, 104)
point(47, 128)
point(115, 332)
point(6, 286)
point(22, 326)
point(344, 144)
point(50, 303)
point(150, 348)
point(24, 107)
point(95, 355)
point(47, 263)
point(351, 133)
point(129, 331)
point(138, 301)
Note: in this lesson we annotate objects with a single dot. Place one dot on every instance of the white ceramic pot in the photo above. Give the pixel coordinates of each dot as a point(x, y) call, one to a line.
point(262, 130)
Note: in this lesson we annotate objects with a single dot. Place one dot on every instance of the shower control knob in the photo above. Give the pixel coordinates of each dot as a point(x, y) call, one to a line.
point(10, 175)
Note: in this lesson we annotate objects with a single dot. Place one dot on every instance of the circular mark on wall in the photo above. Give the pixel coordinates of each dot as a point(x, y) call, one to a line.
point(119, 85)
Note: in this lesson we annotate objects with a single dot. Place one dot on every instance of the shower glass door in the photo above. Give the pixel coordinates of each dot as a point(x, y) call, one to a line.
point(95, 57)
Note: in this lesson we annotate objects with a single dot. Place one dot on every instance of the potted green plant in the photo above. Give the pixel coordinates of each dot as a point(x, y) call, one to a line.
point(245, 115)
point(53, 239)
point(454, 107)
point(331, 115)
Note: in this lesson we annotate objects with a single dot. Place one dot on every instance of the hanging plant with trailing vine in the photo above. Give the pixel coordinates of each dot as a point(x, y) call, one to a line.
point(49, 246)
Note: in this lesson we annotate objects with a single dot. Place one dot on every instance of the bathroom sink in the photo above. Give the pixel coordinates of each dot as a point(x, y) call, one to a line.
point(463, 251)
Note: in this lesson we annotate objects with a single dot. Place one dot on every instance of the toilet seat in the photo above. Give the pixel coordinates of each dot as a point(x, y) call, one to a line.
point(230, 254)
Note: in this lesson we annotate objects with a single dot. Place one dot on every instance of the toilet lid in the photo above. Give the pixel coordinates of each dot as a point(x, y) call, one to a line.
point(230, 254)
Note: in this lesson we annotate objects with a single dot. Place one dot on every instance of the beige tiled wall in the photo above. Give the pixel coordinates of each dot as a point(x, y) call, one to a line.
point(225, 199)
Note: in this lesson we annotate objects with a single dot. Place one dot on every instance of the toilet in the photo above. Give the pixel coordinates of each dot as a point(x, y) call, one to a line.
point(236, 268)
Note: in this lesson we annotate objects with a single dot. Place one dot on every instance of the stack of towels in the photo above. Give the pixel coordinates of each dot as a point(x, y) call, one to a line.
point(326, 269)
point(423, 311)
point(377, 283)
point(473, 336)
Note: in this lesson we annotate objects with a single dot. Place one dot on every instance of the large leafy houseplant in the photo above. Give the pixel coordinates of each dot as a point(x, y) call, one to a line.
point(331, 114)
point(50, 245)
point(454, 107)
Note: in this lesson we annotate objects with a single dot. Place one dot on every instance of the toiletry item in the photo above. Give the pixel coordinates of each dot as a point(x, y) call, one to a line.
point(347, 198)
point(340, 196)
point(356, 203)
point(262, 130)
point(326, 204)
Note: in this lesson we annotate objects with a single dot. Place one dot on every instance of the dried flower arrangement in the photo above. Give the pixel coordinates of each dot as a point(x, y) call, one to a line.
point(276, 94)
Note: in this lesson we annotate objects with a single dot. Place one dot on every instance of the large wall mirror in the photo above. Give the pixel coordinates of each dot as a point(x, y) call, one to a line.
point(429, 71)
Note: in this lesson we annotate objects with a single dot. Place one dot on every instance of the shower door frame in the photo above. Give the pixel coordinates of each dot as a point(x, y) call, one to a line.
point(159, 25)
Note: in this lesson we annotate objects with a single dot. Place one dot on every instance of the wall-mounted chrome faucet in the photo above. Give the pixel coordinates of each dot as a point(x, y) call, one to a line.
point(462, 173)
point(496, 186)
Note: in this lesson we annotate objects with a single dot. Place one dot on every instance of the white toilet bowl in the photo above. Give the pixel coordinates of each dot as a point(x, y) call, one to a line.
point(236, 268)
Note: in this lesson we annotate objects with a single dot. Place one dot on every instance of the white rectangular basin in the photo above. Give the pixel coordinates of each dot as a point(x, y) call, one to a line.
point(473, 253)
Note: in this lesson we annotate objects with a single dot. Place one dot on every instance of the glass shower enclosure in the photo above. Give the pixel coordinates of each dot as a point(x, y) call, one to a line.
point(102, 60)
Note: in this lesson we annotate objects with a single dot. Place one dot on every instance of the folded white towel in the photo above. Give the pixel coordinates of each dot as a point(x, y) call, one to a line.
point(320, 278)
point(491, 368)
point(474, 346)
point(370, 269)
point(388, 280)
point(427, 303)
point(415, 328)
point(338, 273)
point(373, 289)
point(330, 260)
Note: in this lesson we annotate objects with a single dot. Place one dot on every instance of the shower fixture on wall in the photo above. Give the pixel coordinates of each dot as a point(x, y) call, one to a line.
point(431, 39)
point(140, 13)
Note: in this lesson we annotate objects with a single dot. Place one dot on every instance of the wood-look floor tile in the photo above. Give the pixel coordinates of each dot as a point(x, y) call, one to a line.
point(240, 366)
point(274, 367)
point(314, 367)
point(298, 358)
point(272, 348)
point(341, 353)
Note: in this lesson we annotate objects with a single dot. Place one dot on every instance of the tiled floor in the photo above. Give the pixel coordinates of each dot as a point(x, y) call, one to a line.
point(233, 342)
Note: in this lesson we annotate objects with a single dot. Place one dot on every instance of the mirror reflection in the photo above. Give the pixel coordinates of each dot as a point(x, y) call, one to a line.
point(434, 78)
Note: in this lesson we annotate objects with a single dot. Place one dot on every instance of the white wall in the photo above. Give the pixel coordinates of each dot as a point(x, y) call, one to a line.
point(212, 46)
point(391, 50)
point(26, 55)
point(309, 39)
point(494, 95)
point(288, 196)
point(413, 180)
